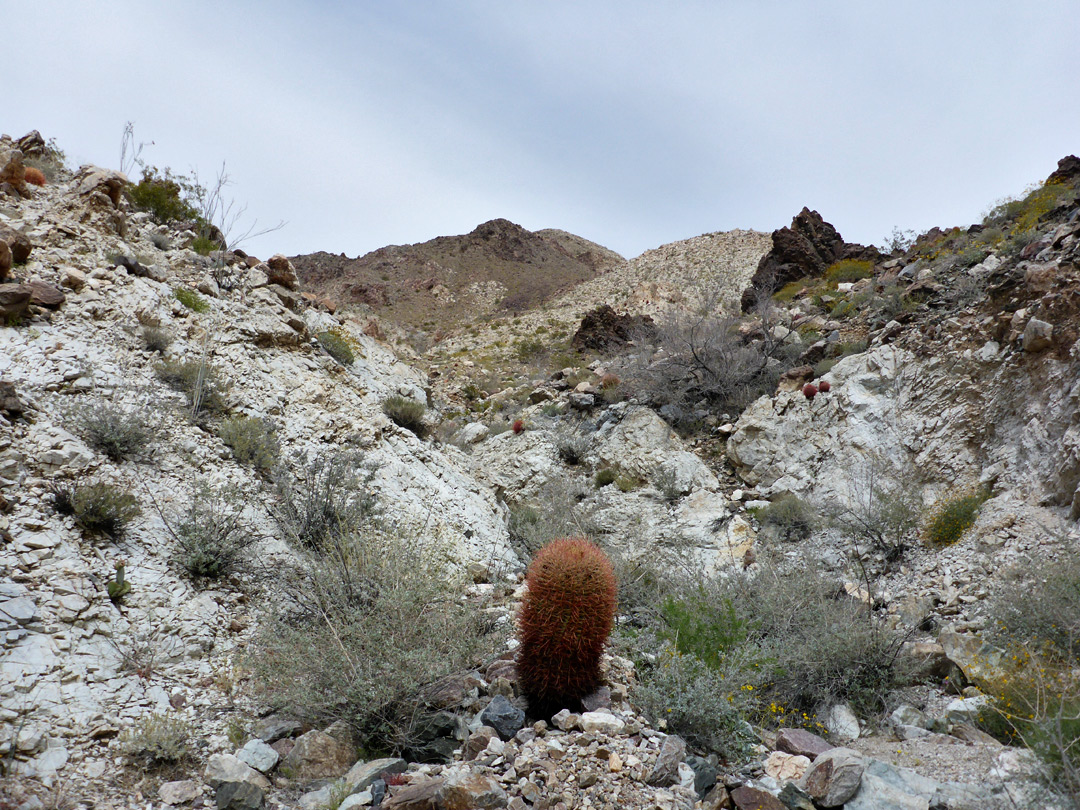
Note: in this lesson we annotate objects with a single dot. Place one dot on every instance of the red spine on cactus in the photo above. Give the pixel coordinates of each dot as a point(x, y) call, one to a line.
point(564, 623)
point(824, 386)
point(518, 426)
point(809, 390)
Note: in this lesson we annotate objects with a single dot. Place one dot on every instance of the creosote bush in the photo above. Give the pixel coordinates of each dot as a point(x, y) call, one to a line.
point(164, 196)
point(337, 346)
point(951, 516)
point(406, 413)
point(120, 432)
point(253, 441)
point(98, 507)
point(367, 622)
point(191, 299)
point(213, 538)
point(156, 740)
point(849, 270)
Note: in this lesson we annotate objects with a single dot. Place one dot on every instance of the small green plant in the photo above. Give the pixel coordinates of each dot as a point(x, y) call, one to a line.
point(155, 339)
point(98, 507)
point(118, 588)
point(236, 731)
point(156, 740)
point(337, 346)
point(213, 537)
point(605, 476)
point(528, 349)
point(191, 299)
point(253, 441)
point(406, 413)
point(117, 431)
point(848, 270)
point(204, 245)
point(627, 483)
point(792, 518)
point(951, 516)
point(573, 449)
point(199, 380)
point(565, 620)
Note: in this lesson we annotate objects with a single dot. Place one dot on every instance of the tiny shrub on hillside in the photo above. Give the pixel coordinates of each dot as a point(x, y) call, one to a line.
point(604, 477)
point(156, 740)
point(253, 441)
point(1026, 212)
point(331, 496)
point(191, 299)
point(155, 339)
point(212, 536)
point(406, 413)
point(200, 381)
point(573, 449)
point(204, 245)
point(849, 270)
point(164, 196)
point(337, 346)
point(1039, 606)
point(120, 432)
point(950, 517)
point(793, 518)
point(97, 507)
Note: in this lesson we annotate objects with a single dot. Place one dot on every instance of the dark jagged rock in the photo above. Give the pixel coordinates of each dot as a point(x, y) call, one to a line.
point(802, 250)
point(604, 329)
point(18, 242)
point(1068, 171)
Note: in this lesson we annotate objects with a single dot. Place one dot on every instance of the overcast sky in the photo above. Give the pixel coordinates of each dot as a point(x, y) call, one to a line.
point(632, 124)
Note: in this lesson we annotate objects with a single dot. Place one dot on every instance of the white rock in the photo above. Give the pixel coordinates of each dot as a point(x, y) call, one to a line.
point(601, 722)
point(842, 723)
point(258, 755)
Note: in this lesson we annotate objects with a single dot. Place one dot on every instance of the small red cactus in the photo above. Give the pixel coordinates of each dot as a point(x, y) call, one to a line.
point(518, 426)
point(823, 386)
point(809, 390)
point(34, 176)
point(564, 623)
point(609, 380)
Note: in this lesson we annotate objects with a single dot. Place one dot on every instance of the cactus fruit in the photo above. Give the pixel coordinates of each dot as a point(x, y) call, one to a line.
point(118, 588)
point(809, 390)
point(565, 620)
point(823, 386)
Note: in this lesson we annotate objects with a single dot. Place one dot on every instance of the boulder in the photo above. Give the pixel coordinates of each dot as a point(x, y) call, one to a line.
point(46, 295)
point(5, 260)
point(12, 171)
point(834, 777)
point(800, 742)
point(604, 329)
point(1068, 171)
point(258, 755)
point(1038, 335)
point(272, 729)
point(666, 770)
point(842, 723)
point(503, 716)
point(179, 792)
point(18, 242)
point(237, 786)
point(14, 300)
point(280, 271)
point(93, 179)
point(752, 798)
point(363, 774)
point(317, 755)
point(786, 767)
point(33, 145)
point(478, 742)
point(605, 723)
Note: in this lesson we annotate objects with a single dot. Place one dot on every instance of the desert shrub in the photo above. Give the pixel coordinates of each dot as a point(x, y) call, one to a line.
point(49, 166)
point(337, 346)
point(704, 705)
point(1025, 213)
point(951, 516)
point(847, 270)
point(156, 740)
point(97, 507)
point(253, 441)
point(329, 497)
point(155, 338)
point(573, 449)
point(191, 299)
point(362, 629)
point(204, 245)
point(1039, 606)
point(792, 640)
point(407, 413)
point(792, 517)
point(160, 240)
point(666, 481)
point(213, 538)
point(200, 381)
point(528, 349)
point(627, 483)
point(164, 196)
point(880, 508)
point(604, 477)
point(34, 176)
point(118, 431)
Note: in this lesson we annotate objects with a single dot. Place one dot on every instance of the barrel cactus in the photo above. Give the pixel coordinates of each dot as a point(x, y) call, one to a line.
point(565, 620)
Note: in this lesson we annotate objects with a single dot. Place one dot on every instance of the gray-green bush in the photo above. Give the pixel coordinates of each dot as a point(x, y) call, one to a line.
point(331, 495)
point(406, 413)
point(253, 441)
point(200, 381)
point(213, 538)
point(119, 431)
point(97, 507)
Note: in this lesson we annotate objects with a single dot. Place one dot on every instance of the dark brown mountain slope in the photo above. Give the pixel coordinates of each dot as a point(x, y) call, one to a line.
point(449, 280)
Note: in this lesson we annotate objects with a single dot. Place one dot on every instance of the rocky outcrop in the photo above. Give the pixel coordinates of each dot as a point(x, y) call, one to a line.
point(605, 330)
point(804, 249)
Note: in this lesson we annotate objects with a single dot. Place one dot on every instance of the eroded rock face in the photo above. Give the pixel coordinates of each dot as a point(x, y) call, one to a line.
point(603, 329)
point(804, 249)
